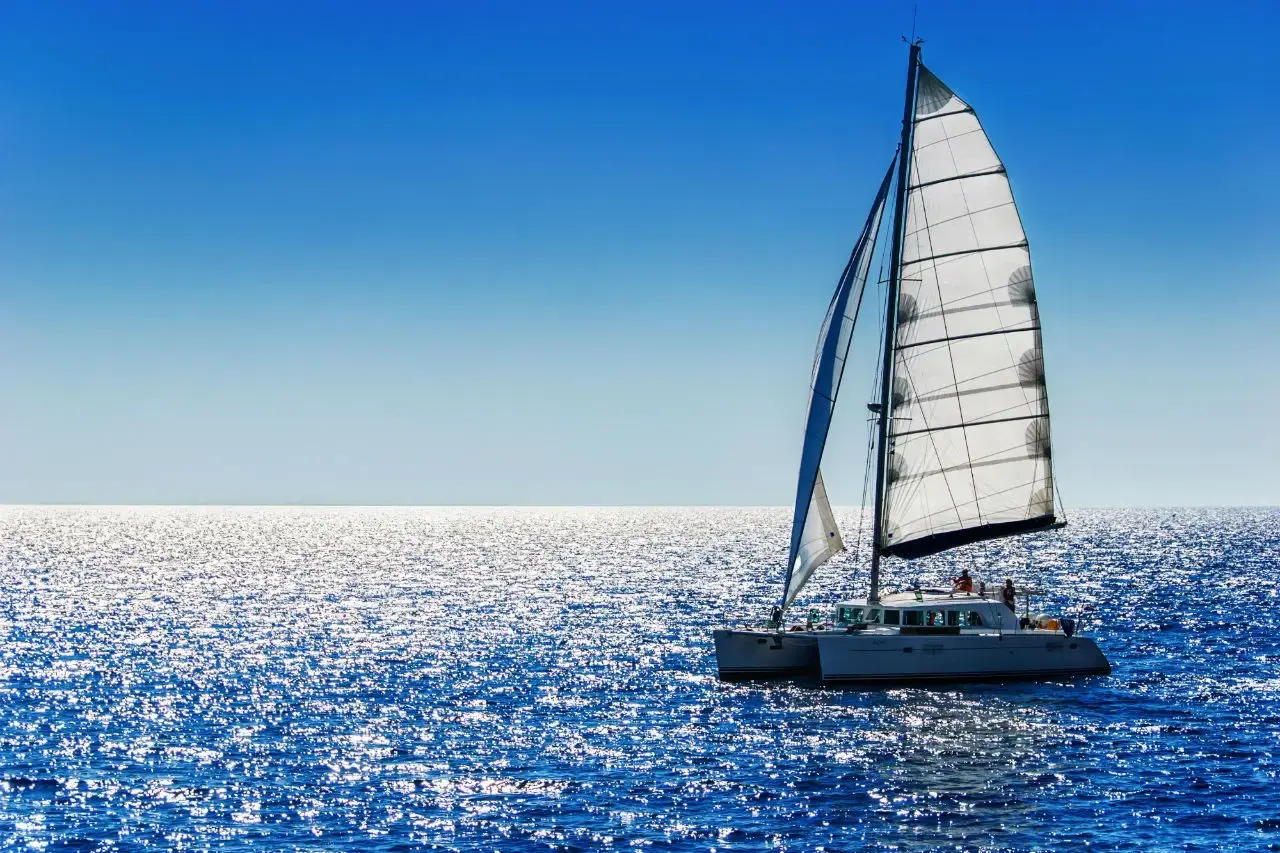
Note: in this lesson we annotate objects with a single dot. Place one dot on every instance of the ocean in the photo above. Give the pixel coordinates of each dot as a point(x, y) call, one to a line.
point(511, 679)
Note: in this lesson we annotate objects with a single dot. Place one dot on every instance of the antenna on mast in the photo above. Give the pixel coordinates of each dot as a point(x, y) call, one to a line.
point(913, 41)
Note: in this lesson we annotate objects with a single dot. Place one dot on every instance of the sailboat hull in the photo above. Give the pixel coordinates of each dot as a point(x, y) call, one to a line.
point(742, 655)
point(892, 657)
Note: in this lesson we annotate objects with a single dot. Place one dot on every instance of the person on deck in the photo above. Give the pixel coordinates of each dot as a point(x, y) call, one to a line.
point(964, 583)
point(1006, 595)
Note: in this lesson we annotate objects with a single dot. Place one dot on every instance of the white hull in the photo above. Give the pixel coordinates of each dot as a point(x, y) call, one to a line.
point(874, 656)
point(765, 654)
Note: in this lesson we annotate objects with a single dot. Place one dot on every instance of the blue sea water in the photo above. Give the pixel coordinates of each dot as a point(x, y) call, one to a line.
point(524, 679)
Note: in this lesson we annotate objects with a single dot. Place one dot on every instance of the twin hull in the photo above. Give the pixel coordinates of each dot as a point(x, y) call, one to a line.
point(882, 657)
point(765, 654)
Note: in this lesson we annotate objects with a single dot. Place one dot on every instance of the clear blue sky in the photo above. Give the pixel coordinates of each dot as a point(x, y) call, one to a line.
point(474, 252)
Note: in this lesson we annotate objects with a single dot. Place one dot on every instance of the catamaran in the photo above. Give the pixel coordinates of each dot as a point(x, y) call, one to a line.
point(962, 453)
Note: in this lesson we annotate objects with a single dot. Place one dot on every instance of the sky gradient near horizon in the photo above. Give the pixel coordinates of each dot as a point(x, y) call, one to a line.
point(578, 253)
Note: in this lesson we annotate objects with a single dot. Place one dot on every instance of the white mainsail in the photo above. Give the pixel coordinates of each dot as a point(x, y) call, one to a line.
point(969, 455)
point(814, 535)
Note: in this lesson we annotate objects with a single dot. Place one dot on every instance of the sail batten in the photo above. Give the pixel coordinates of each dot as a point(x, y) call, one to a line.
point(968, 451)
point(815, 537)
point(997, 171)
point(920, 119)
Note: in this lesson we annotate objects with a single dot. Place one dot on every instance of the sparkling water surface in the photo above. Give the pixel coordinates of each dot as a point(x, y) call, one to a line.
point(523, 679)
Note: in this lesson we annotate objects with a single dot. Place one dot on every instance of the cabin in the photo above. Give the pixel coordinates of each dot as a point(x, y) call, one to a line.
point(929, 612)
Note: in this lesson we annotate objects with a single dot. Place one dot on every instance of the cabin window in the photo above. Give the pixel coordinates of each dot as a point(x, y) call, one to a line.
point(912, 617)
point(963, 619)
point(873, 616)
point(935, 618)
point(891, 617)
point(851, 615)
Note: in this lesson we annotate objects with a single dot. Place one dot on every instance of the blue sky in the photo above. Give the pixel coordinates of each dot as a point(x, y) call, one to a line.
point(470, 252)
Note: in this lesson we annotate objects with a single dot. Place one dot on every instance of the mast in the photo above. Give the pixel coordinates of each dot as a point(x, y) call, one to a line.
point(891, 316)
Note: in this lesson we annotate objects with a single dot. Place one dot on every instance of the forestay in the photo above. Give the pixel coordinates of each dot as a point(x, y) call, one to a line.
point(969, 454)
point(814, 535)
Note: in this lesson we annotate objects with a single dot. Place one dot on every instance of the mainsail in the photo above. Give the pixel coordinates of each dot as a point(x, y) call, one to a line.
point(814, 535)
point(968, 455)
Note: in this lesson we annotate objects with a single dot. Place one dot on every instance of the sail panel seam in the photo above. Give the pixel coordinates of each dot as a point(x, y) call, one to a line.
point(984, 462)
point(1017, 488)
point(968, 214)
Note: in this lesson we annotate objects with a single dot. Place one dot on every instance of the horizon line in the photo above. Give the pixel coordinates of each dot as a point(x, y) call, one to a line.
point(219, 505)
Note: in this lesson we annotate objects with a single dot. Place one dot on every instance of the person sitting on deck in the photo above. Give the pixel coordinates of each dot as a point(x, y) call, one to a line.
point(964, 583)
point(1006, 595)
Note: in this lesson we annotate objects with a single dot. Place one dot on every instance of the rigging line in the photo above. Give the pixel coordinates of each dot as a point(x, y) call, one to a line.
point(932, 441)
point(862, 508)
point(1033, 307)
point(960, 135)
point(968, 380)
point(986, 272)
point(954, 136)
point(969, 214)
point(877, 362)
point(871, 424)
point(1025, 485)
point(906, 369)
point(961, 524)
point(866, 466)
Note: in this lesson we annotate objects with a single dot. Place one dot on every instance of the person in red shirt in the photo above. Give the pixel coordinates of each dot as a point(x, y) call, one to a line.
point(964, 583)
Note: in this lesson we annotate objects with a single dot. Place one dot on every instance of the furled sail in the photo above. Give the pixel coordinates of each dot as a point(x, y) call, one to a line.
point(814, 536)
point(969, 455)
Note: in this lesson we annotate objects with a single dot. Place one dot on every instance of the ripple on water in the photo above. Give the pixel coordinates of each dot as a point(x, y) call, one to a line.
point(381, 679)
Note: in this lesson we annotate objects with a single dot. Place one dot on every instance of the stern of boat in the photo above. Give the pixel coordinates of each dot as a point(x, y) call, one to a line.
point(748, 654)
